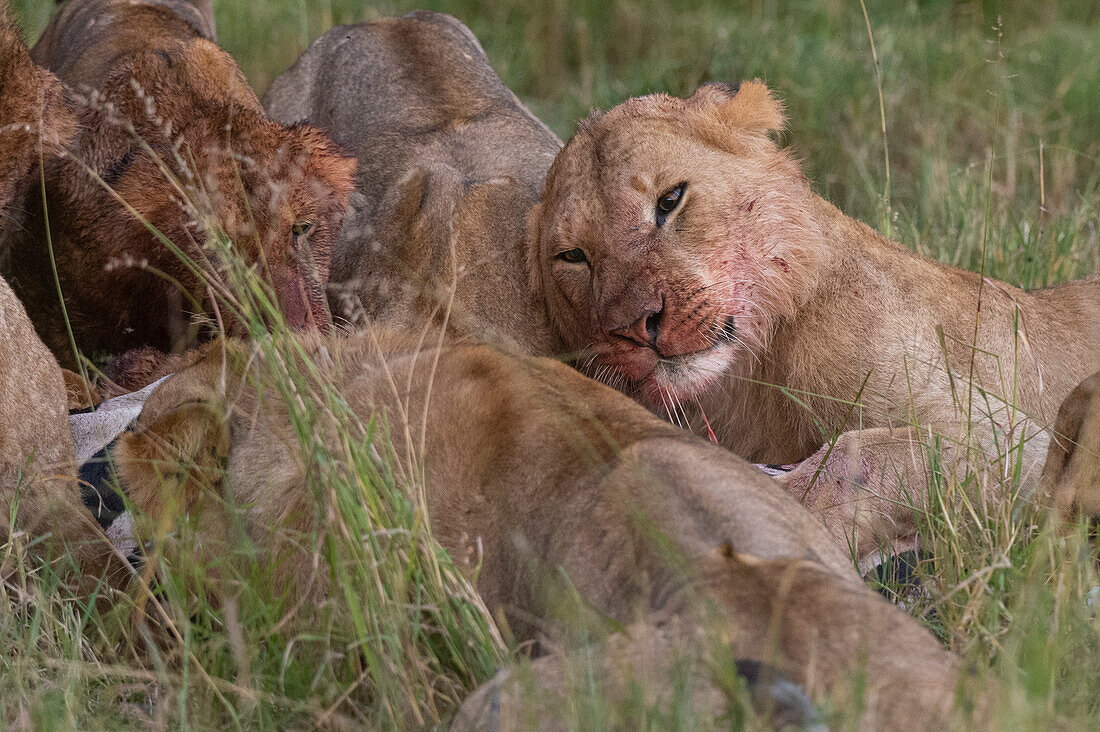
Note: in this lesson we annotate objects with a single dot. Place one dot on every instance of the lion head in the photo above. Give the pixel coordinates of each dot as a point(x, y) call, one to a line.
point(673, 236)
point(277, 193)
point(176, 175)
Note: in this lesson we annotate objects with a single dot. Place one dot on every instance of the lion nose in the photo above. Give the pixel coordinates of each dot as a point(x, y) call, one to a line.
point(644, 330)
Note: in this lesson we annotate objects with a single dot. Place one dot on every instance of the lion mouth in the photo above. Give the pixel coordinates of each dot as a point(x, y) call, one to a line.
point(651, 375)
point(683, 376)
point(688, 374)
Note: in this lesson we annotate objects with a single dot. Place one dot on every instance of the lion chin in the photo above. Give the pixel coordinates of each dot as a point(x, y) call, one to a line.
point(662, 381)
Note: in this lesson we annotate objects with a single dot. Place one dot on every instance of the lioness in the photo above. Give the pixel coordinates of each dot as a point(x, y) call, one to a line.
point(173, 153)
point(529, 469)
point(450, 164)
point(36, 117)
point(689, 259)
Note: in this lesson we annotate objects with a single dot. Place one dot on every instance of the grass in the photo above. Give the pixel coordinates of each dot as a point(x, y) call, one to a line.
point(992, 136)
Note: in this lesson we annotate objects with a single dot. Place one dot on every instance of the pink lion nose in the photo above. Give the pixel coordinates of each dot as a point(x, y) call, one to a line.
point(644, 330)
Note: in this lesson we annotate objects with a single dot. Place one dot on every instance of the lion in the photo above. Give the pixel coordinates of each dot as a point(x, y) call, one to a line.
point(174, 166)
point(530, 471)
point(37, 118)
point(39, 494)
point(450, 164)
point(683, 253)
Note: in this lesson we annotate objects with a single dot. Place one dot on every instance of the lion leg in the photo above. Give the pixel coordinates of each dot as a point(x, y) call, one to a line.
point(870, 487)
point(857, 487)
point(836, 639)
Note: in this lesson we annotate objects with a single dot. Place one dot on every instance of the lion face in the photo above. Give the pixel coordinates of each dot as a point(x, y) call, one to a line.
point(188, 164)
point(276, 195)
point(669, 241)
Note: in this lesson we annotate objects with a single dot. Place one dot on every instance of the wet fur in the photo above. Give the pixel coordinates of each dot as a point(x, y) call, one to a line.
point(37, 118)
point(168, 122)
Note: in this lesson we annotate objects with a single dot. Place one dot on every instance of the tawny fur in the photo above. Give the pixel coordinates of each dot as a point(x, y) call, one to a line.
point(39, 494)
point(527, 469)
point(450, 164)
point(168, 125)
point(1071, 474)
point(766, 309)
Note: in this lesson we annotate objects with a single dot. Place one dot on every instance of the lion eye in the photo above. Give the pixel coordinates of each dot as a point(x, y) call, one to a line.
point(301, 228)
point(668, 203)
point(573, 256)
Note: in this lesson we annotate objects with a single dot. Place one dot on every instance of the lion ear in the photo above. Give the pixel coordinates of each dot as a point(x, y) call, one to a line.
point(168, 465)
point(752, 106)
point(419, 230)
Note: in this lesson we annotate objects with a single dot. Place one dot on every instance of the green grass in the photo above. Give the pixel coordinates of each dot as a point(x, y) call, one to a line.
point(992, 116)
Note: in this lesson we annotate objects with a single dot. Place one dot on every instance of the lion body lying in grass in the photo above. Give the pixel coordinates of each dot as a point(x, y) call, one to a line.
point(35, 442)
point(172, 153)
point(39, 495)
point(528, 470)
point(450, 164)
point(685, 254)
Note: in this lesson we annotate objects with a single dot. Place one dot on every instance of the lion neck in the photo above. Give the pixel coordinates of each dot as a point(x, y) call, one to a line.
point(822, 251)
